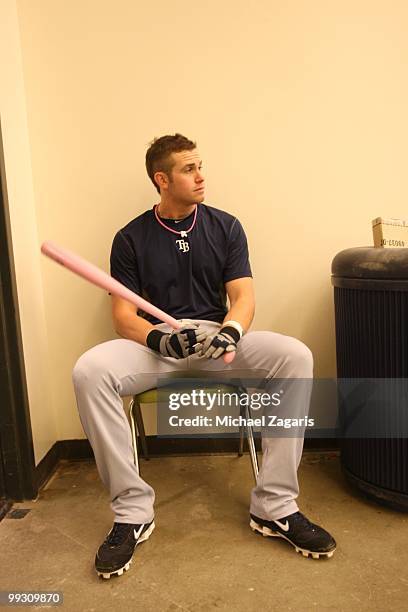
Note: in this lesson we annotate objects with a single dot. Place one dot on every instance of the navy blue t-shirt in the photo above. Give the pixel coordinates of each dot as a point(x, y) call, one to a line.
point(184, 276)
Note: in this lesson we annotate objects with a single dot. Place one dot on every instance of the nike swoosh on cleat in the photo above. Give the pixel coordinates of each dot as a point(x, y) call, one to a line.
point(137, 533)
point(284, 526)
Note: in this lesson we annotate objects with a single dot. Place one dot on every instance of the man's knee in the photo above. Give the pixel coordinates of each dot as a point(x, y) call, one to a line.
point(88, 370)
point(298, 355)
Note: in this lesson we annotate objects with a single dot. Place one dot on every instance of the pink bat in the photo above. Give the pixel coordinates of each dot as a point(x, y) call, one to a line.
point(98, 277)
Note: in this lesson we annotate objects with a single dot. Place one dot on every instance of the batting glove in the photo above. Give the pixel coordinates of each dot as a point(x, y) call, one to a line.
point(180, 343)
point(223, 341)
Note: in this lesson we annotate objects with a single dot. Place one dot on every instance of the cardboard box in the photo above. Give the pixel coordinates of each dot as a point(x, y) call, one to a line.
point(390, 233)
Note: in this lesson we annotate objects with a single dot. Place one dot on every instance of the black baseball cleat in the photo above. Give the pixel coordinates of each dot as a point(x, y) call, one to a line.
point(306, 537)
point(114, 556)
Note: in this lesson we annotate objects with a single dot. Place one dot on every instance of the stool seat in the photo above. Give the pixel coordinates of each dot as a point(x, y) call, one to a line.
point(147, 397)
point(151, 396)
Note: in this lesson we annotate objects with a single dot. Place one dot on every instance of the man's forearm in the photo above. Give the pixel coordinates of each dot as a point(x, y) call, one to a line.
point(241, 311)
point(133, 327)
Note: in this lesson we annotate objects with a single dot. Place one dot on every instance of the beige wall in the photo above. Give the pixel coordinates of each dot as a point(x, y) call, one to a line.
point(24, 228)
point(299, 109)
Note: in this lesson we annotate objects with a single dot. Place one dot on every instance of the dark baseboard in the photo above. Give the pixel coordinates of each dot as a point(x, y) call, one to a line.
point(212, 445)
point(71, 450)
point(5, 506)
point(80, 450)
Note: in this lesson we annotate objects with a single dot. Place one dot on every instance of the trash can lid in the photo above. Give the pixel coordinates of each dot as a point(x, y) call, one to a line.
point(371, 262)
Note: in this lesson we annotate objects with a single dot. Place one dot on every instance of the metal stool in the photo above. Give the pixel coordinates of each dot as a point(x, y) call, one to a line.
point(150, 397)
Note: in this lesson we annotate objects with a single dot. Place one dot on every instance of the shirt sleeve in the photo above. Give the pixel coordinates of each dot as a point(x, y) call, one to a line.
point(237, 264)
point(123, 264)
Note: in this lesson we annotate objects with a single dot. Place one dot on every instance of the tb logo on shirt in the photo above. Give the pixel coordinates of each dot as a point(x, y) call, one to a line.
point(183, 245)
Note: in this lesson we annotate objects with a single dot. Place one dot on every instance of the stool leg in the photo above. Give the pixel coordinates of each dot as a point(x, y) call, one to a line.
point(134, 436)
point(140, 427)
point(251, 444)
point(241, 434)
point(246, 413)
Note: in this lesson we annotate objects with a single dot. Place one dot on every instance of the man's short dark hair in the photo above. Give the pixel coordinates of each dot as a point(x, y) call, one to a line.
point(158, 156)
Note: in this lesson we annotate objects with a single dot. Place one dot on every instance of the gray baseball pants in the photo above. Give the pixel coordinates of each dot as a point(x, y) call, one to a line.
point(121, 368)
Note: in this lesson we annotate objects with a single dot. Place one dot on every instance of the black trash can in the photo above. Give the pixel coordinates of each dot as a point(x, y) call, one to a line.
point(371, 316)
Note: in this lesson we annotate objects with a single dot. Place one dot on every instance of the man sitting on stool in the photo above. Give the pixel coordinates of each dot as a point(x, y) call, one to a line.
point(185, 257)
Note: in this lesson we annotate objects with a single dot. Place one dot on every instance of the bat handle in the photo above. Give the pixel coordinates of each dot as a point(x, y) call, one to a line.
point(228, 357)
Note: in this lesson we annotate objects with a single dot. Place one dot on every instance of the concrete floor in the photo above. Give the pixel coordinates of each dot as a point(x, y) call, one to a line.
point(203, 555)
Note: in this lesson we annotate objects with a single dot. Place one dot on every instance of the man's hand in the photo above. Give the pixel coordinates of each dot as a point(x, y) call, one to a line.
point(218, 343)
point(180, 343)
